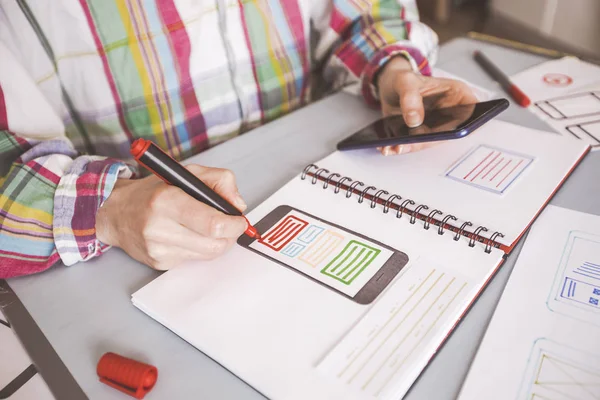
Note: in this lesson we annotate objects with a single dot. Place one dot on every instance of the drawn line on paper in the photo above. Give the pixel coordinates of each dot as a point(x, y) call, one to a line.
point(354, 258)
point(293, 249)
point(283, 233)
point(501, 169)
point(390, 319)
point(591, 129)
point(576, 288)
point(560, 375)
point(310, 233)
point(494, 169)
point(321, 248)
point(558, 108)
point(421, 338)
point(384, 363)
point(486, 165)
point(478, 165)
point(364, 364)
point(511, 171)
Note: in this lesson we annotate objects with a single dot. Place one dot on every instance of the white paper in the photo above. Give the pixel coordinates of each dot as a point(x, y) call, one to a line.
point(565, 93)
point(400, 327)
point(542, 342)
point(272, 326)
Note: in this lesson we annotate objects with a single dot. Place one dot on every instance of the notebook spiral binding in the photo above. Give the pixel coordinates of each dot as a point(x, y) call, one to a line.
point(420, 212)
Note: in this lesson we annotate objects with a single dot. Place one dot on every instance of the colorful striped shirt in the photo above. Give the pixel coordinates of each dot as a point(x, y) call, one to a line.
point(81, 79)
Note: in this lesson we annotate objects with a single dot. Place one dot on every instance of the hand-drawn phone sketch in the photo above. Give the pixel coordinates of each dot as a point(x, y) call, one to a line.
point(347, 262)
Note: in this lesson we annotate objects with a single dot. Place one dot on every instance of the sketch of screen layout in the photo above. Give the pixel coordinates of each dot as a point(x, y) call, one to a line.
point(576, 288)
point(588, 131)
point(577, 105)
point(556, 371)
point(343, 260)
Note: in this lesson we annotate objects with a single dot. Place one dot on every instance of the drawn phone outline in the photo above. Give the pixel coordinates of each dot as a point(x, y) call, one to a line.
point(555, 302)
point(551, 111)
point(371, 289)
point(456, 164)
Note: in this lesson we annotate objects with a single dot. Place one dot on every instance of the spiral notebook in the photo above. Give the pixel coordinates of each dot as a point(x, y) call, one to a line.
point(366, 264)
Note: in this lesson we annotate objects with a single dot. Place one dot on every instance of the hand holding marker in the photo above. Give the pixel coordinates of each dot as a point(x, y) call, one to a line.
point(154, 159)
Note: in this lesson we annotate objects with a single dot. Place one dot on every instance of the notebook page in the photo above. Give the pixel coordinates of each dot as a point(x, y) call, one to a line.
point(273, 326)
point(542, 342)
point(499, 176)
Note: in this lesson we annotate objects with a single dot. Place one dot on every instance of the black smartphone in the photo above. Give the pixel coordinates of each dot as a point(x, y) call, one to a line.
point(439, 124)
point(346, 262)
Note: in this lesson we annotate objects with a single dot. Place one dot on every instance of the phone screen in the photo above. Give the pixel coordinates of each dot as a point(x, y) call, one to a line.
point(333, 256)
point(438, 124)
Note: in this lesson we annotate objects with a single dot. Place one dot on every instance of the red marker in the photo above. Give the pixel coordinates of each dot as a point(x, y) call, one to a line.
point(154, 159)
point(499, 76)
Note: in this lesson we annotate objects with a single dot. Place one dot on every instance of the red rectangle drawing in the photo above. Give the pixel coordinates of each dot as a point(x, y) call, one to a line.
point(283, 233)
point(489, 168)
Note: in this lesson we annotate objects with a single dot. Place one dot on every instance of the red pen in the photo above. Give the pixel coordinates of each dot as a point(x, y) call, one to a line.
point(155, 160)
point(499, 76)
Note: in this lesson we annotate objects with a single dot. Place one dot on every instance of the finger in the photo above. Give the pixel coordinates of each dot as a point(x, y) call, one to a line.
point(170, 233)
point(385, 150)
point(221, 181)
point(455, 93)
point(199, 217)
point(214, 224)
point(408, 87)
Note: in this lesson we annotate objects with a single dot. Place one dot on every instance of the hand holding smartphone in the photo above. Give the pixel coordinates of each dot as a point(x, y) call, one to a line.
point(439, 124)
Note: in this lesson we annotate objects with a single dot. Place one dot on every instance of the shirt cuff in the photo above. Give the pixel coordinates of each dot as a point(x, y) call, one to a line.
point(418, 62)
point(79, 195)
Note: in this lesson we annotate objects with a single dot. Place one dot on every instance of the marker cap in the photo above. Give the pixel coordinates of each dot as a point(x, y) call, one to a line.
point(126, 375)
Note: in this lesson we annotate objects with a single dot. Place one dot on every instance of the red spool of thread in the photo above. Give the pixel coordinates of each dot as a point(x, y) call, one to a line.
point(127, 375)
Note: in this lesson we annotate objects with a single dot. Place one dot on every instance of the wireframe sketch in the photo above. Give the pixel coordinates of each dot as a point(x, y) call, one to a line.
point(489, 168)
point(576, 105)
point(382, 349)
point(557, 372)
point(576, 288)
point(586, 130)
point(351, 264)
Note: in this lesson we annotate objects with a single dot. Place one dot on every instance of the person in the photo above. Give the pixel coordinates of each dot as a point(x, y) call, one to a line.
point(80, 80)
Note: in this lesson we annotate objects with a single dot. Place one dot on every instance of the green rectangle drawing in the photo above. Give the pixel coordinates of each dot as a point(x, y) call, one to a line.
point(351, 262)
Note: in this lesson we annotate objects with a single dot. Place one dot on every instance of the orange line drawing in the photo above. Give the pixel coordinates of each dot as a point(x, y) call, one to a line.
point(321, 248)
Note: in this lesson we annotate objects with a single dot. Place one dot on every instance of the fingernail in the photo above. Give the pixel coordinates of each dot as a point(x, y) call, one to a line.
point(405, 149)
point(386, 151)
point(412, 119)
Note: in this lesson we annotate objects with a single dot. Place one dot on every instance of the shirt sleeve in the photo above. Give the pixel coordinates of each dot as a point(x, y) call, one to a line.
point(49, 193)
point(357, 38)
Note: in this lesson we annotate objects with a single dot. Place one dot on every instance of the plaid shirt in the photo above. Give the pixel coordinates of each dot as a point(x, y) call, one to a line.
point(81, 79)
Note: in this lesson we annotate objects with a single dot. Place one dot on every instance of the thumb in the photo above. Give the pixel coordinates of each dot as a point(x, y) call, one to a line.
point(408, 87)
point(221, 181)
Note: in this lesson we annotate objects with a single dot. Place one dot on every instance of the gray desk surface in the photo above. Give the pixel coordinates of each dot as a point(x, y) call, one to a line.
point(85, 310)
